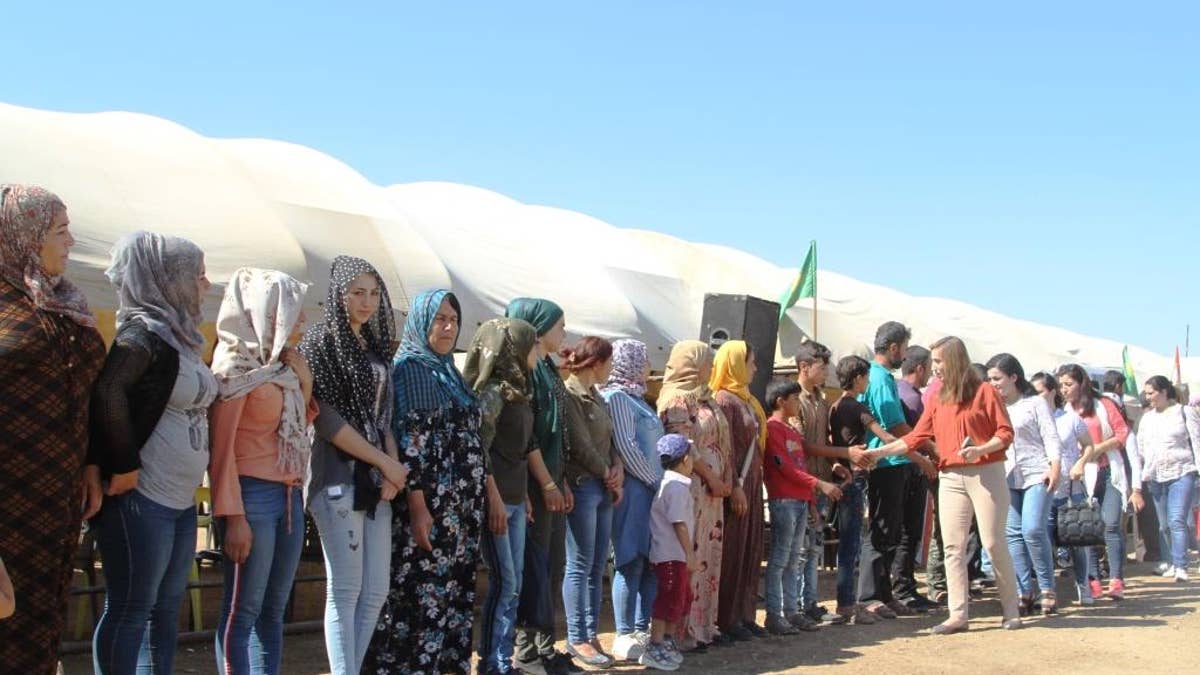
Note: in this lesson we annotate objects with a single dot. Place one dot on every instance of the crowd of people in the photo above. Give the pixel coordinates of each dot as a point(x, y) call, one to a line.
point(539, 459)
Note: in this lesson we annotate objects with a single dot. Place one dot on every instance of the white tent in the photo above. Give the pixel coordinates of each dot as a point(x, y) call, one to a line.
point(274, 204)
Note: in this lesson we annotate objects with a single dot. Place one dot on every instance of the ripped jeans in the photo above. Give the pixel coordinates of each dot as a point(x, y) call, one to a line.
point(358, 556)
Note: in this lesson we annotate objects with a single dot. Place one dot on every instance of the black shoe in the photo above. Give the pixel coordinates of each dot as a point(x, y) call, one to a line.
point(566, 663)
point(816, 613)
point(757, 630)
point(700, 648)
point(537, 666)
point(721, 640)
point(919, 604)
point(739, 634)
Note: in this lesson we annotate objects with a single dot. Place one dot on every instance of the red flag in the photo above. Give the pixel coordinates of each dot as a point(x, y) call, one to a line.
point(1178, 372)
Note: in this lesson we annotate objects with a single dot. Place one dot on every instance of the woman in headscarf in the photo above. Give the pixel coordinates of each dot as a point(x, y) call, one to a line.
point(686, 407)
point(50, 354)
point(594, 473)
point(260, 453)
point(636, 430)
point(497, 368)
point(549, 495)
point(150, 430)
point(425, 625)
point(742, 554)
point(354, 468)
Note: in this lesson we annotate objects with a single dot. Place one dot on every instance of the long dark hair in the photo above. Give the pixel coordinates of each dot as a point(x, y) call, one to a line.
point(1160, 383)
point(1010, 366)
point(1049, 383)
point(1087, 397)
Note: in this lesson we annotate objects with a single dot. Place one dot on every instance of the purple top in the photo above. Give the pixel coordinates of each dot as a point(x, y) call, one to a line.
point(910, 401)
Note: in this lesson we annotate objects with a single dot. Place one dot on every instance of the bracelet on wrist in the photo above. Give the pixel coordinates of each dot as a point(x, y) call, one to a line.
point(550, 487)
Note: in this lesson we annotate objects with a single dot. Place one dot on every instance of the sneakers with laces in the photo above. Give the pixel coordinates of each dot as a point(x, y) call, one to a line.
point(1096, 588)
point(672, 650)
point(1116, 589)
point(627, 647)
point(1181, 574)
point(1168, 571)
point(656, 657)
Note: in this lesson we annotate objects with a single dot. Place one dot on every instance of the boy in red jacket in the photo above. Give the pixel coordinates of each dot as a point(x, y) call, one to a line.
point(790, 491)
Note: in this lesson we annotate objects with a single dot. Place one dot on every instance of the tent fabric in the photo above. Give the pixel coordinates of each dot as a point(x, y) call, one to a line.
point(275, 204)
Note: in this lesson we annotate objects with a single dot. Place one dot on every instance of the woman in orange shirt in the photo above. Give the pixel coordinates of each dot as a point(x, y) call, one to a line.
point(969, 425)
point(260, 453)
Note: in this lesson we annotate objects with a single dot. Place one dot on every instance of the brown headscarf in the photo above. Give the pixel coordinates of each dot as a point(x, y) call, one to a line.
point(26, 214)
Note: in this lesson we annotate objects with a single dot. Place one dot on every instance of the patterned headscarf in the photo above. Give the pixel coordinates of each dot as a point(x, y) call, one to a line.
point(26, 214)
point(629, 361)
point(447, 385)
point(682, 377)
point(730, 374)
point(342, 373)
point(155, 277)
point(260, 309)
point(547, 426)
point(499, 353)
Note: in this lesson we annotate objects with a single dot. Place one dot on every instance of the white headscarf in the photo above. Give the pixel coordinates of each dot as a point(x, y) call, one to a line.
point(258, 314)
point(156, 280)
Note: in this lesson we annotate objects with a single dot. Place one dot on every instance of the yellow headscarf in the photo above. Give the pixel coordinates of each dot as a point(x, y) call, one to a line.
point(730, 374)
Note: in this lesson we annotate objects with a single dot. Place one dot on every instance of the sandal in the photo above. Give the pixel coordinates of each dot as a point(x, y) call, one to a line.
point(1049, 603)
point(1025, 607)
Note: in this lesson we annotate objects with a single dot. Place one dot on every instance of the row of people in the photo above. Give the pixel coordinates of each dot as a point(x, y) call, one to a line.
point(413, 470)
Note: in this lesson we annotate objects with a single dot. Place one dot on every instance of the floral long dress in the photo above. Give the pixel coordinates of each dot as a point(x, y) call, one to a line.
point(704, 424)
point(425, 625)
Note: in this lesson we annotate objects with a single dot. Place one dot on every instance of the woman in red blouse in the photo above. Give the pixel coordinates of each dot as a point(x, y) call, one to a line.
point(969, 425)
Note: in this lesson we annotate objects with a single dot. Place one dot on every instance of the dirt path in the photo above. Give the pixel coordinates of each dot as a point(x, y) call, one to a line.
point(1155, 630)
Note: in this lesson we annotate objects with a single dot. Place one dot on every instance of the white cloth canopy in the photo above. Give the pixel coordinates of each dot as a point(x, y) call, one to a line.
point(274, 204)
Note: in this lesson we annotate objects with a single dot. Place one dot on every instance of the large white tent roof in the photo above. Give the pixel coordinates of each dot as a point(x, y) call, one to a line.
point(273, 204)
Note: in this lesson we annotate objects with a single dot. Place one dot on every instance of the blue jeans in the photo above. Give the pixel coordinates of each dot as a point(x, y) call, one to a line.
point(589, 529)
point(504, 555)
point(257, 590)
point(850, 517)
point(633, 590)
point(1029, 538)
point(147, 551)
point(811, 556)
point(358, 555)
point(789, 519)
point(1172, 503)
point(1111, 509)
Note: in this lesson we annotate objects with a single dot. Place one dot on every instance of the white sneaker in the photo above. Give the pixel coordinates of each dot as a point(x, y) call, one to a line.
point(656, 657)
point(672, 650)
point(1181, 574)
point(1085, 595)
point(1168, 571)
point(627, 647)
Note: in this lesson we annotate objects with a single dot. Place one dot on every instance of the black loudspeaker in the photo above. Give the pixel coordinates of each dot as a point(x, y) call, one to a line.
point(744, 317)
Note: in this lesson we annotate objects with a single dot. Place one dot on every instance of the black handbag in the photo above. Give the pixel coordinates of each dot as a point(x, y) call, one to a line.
point(1079, 525)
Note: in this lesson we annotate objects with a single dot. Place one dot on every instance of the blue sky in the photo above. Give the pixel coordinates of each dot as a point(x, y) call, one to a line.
point(1039, 159)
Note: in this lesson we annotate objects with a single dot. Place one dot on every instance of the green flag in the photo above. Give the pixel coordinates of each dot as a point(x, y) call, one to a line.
point(805, 285)
point(1127, 367)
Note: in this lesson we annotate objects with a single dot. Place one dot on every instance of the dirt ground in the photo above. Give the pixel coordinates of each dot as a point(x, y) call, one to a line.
point(1153, 631)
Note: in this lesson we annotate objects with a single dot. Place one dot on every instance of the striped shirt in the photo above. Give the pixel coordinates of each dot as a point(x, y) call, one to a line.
point(636, 430)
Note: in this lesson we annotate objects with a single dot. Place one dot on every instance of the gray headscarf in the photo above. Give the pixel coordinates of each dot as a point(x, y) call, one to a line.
point(155, 277)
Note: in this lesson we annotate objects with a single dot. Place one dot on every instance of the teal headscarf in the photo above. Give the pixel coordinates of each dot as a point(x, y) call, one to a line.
point(413, 390)
point(547, 426)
